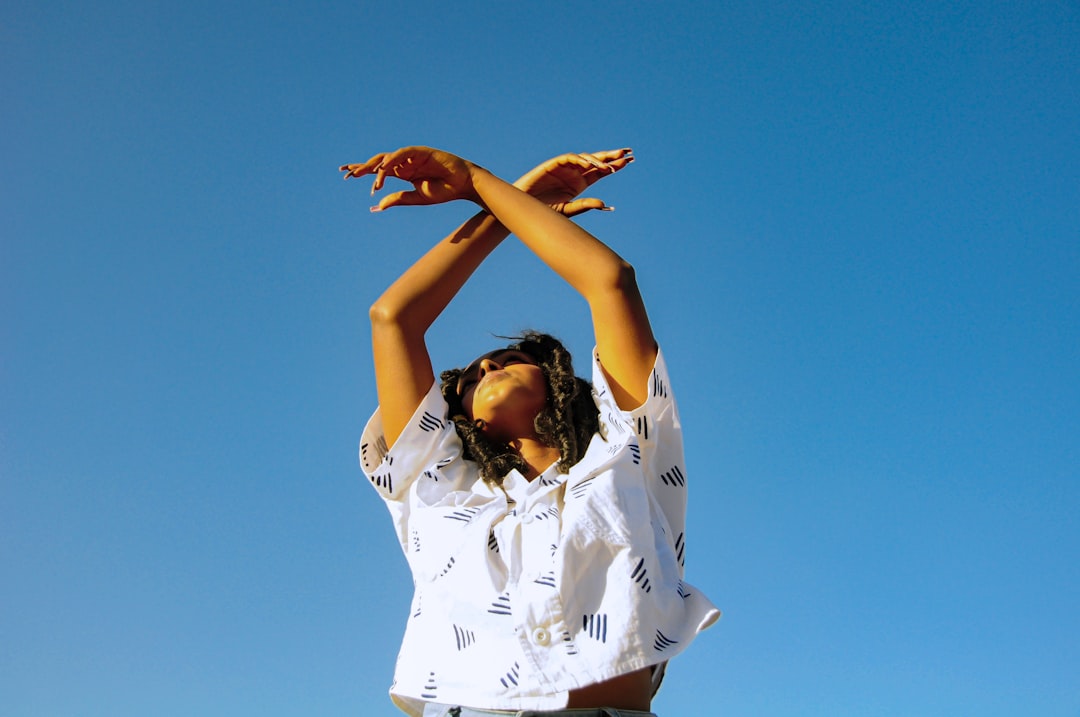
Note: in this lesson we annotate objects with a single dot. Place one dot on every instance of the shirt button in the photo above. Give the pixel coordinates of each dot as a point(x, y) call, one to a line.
point(541, 636)
point(526, 518)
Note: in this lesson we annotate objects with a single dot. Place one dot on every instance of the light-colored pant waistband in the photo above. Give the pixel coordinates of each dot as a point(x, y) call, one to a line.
point(432, 709)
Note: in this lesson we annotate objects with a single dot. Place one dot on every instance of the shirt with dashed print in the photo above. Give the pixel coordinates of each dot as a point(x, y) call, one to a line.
point(529, 590)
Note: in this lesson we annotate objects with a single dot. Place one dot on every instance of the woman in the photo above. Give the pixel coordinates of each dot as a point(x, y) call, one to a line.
point(543, 525)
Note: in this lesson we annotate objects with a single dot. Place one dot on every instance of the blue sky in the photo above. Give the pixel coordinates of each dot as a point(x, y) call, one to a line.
point(857, 227)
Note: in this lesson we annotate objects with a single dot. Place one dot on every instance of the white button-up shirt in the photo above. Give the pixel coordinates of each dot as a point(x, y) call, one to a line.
point(529, 590)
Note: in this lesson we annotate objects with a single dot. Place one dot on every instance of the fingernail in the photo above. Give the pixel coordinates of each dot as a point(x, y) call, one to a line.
point(375, 208)
point(607, 209)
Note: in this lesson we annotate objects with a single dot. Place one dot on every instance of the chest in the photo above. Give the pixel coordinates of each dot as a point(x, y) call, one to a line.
point(529, 531)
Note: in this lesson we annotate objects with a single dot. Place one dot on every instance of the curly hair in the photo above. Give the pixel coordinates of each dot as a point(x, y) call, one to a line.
point(567, 422)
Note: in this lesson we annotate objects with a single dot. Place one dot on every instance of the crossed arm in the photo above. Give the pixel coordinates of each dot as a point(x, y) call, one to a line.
point(535, 209)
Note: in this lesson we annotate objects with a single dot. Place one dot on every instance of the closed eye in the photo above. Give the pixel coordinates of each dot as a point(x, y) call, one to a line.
point(516, 357)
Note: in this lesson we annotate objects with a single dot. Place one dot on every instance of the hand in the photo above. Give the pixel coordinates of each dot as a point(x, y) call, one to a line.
point(559, 180)
point(436, 176)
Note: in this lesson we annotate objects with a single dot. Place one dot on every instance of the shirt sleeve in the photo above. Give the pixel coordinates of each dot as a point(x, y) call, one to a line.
point(428, 446)
point(658, 429)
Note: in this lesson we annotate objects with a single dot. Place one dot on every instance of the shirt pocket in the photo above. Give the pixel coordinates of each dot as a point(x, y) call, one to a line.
point(439, 537)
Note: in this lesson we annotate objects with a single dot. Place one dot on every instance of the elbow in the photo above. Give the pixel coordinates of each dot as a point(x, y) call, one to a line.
point(384, 313)
point(616, 280)
point(623, 278)
point(390, 314)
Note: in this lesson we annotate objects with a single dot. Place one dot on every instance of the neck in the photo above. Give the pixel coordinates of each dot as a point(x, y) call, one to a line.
point(536, 454)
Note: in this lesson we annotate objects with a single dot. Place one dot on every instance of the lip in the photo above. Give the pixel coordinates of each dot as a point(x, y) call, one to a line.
point(488, 377)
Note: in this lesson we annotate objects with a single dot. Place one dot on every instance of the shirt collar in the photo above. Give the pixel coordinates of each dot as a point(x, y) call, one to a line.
point(519, 490)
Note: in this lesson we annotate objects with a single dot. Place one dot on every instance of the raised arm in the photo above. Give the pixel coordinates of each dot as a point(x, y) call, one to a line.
point(401, 316)
point(624, 337)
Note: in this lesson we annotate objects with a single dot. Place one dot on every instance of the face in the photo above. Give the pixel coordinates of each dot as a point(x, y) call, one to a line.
point(505, 389)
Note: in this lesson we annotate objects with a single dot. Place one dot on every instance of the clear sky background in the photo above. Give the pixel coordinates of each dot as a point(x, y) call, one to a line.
point(857, 228)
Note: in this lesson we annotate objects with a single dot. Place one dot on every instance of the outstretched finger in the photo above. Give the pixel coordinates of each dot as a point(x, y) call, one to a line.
point(580, 206)
point(579, 159)
point(617, 164)
point(609, 167)
point(359, 170)
point(609, 155)
point(592, 162)
point(616, 159)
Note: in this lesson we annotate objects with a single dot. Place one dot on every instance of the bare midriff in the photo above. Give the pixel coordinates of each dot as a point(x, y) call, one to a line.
point(632, 691)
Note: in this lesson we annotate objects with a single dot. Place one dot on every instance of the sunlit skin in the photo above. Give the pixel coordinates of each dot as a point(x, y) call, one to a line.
point(505, 390)
point(527, 393)
point(632, 691)
point(504, 394)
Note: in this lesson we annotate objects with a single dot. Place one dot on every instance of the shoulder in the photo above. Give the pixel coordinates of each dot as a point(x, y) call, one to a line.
point(428, 442)
point(658, 391)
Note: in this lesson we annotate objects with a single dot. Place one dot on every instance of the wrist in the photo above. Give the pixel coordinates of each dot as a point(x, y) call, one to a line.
point(478, 179)
point(476, 172)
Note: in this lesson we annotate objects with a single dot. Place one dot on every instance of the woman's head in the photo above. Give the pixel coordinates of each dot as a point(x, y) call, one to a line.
point(503, 391)
point(528, 386)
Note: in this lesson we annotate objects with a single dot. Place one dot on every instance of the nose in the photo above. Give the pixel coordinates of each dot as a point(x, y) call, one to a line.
point(487, 366)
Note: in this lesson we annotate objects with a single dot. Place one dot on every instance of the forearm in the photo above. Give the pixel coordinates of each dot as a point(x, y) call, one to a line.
point(402, 315)
point(419, 295)
point(582, 260)
point(624, 336)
